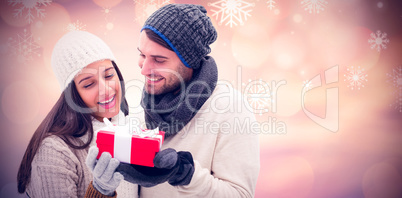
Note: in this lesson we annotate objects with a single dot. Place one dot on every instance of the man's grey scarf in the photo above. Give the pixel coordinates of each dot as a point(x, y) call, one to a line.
point(172, 111)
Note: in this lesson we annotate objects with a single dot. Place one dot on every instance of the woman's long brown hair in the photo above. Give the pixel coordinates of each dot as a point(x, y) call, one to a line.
point(66, 123)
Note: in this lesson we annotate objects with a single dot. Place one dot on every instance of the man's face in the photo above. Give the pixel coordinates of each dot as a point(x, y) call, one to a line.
point(162, 68)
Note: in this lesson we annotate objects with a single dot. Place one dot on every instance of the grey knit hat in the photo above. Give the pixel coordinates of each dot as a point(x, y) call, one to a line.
point(74, 51)
point(186, 29)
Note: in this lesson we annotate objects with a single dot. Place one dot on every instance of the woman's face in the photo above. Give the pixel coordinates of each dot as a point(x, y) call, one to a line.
point(99, 87)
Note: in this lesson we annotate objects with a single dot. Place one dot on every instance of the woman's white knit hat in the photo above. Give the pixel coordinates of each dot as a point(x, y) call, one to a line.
point(74, 51)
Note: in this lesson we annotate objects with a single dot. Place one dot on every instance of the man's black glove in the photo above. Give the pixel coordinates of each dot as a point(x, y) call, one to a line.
point(177, 168)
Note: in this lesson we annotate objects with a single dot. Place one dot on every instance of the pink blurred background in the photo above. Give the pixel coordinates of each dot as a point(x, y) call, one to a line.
point(260, 44)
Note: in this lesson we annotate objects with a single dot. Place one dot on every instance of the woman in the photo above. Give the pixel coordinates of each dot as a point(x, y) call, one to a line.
point(92, 88)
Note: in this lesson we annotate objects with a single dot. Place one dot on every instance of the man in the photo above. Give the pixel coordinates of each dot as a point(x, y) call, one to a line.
point(182, 97)
point(207, 122)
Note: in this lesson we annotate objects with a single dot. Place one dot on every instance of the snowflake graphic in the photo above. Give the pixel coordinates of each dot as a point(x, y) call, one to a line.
point(231, 11)
point(314, 6)
point(257, 94)
point(31, 6)
point(106, 11)
point(355, 77)
point(378, 40)
point(396, 80)
point(307, 85)
point(24, 47)
point(75, 26)
point(147, 8)
point(271, 4)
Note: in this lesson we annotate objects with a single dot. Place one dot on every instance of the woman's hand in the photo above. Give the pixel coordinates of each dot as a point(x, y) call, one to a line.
point(105, 177)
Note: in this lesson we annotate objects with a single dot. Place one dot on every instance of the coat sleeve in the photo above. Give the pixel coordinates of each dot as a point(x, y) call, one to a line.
point(236, 160)
point(93, 193)
point(54, 171)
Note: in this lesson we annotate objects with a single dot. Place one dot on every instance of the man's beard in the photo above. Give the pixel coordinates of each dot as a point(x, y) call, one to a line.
point(177, 83)
point(174, 87)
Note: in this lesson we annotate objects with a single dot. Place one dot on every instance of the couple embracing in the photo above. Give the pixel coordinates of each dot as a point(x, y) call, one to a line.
point(205, 152)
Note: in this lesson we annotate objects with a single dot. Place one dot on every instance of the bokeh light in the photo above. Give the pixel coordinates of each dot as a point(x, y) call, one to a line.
point(382, 180)
point(287, 51)
point(48, 30)
point(107, 3)
point(248, 47)
point(15, 105)
point(288, 177)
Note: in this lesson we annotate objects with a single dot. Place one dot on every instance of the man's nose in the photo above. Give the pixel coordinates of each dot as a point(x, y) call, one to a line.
point(146, 66)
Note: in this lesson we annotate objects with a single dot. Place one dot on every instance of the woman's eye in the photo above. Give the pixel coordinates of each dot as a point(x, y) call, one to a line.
point(88, 85)
point(109, 76)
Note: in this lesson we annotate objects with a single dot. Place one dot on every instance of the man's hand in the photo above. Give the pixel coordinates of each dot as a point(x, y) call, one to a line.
point(177, 168)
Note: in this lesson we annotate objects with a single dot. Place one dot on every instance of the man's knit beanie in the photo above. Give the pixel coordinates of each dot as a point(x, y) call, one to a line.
point(74, 51)
point(186, 29)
